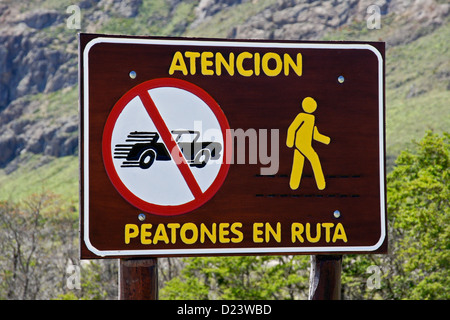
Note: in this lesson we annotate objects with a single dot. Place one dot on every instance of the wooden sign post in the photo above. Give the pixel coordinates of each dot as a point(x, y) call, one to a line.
point(325, 277)
point(229, 147)
point(138, 279)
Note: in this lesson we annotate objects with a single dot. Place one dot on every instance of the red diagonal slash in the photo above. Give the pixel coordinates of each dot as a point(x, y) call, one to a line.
point(170, 143)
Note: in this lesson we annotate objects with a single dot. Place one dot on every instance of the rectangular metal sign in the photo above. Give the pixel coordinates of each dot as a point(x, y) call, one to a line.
point(225, 147)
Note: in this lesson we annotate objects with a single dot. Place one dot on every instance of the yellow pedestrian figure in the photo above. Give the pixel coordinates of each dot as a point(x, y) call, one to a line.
point(301, 132)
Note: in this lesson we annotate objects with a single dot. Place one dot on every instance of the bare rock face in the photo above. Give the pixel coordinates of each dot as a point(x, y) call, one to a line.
point(8, 145)
point(35, 59)
point(40, 18)
point(311, 20)
point(125, 9)
point(33, 62)
point(20, 133)
point(30, 62)
point(28, 65)
point(296, 19)
point(208, 8)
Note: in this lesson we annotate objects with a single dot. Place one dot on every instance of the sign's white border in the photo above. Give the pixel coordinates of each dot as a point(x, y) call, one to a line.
point(211, 43)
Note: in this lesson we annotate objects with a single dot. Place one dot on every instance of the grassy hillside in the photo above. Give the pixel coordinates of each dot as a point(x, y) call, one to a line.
point(417, 84)
point(418, 89)
point(220, 25)
point(42, 174)
point(155, 18)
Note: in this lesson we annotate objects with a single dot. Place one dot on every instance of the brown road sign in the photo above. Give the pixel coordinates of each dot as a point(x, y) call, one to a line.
point(206, 146)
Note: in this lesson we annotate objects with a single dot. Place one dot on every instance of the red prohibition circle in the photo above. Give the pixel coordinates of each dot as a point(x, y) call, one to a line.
point(200, 199)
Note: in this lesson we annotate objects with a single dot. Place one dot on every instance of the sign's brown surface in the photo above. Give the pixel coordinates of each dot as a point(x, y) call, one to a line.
point(206, 146)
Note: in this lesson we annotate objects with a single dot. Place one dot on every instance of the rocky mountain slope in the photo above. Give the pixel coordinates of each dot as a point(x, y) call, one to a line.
point(38, 56)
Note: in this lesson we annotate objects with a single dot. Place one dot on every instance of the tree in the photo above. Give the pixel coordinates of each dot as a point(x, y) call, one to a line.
point(417, 266)
point(39, 239)
point(34, 251)
point(38, 244)
point(419, 213)
point(247, 277)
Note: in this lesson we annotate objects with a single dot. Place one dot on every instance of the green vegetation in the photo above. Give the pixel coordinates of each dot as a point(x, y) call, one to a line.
point(417, 90)
point(252, 278)
point(220, 25)
point(39, 260)
point(417, 81)
point(416, 267)
point(53, 105)
point(39, 174)
point(418, 186)
point(155, 18)
point(419, 212)
point(37, 241)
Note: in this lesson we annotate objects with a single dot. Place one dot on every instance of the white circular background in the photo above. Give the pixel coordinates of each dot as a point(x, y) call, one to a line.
point(163, 183)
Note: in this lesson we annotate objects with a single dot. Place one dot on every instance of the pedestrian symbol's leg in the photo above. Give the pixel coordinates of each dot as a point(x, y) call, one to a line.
point(317, 169)
point(297, 169)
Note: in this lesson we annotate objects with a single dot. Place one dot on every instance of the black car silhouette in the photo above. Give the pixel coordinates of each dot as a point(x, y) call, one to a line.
point(196, 153)
point(144, 149)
